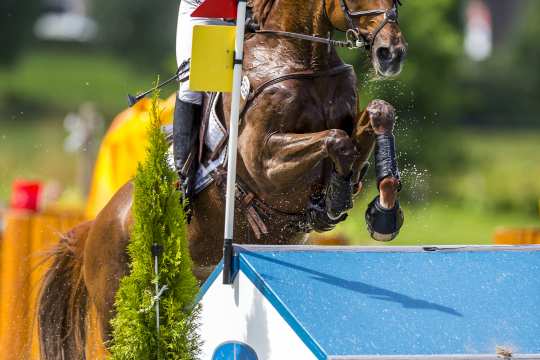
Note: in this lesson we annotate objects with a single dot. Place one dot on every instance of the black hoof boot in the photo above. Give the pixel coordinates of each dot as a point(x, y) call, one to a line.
point(339, 195)
point(383, 224)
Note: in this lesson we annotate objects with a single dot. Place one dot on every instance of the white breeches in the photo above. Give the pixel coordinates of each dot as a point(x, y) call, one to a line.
point(184, 34)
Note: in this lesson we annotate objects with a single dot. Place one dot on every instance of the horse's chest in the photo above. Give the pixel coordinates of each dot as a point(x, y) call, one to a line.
point(320, 108)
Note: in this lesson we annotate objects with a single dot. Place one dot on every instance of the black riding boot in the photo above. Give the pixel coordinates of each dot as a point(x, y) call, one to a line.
point(186, 120)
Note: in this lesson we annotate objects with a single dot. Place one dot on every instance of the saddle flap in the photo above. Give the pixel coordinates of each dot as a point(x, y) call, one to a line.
point(213, 145)
point(215, 133)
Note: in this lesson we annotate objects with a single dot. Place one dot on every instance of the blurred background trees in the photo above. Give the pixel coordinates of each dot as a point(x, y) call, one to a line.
point(142, 32)
point(16, 22)
point(503, 90)
point(468, 122)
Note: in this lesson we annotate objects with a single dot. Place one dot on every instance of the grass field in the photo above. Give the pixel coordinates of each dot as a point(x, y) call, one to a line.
point(59, 80)
point(34, 150)
point(502, 171)
point(437, 223)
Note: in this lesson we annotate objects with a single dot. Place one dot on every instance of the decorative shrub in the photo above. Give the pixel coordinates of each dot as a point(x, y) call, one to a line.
point(158, 219)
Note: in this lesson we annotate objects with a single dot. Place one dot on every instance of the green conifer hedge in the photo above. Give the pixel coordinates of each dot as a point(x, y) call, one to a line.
point(159, 219)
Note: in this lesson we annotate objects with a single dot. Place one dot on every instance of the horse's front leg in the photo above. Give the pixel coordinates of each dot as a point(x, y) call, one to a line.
point(286, 157)
point(375, 128)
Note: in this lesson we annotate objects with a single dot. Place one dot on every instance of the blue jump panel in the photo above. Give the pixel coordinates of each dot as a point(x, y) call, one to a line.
point(408, 302)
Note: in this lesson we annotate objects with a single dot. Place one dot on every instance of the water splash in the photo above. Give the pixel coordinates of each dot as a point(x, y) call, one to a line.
point(416, 182)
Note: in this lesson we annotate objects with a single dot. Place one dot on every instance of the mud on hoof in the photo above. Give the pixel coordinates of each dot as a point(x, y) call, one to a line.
point(383, 224)
point(317, 216)
point(339, 195)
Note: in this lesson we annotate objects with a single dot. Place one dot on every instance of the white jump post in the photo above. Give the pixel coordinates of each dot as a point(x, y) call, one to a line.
point(233, 143)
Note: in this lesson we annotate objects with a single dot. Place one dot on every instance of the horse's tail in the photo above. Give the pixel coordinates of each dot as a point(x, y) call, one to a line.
point(62, 304)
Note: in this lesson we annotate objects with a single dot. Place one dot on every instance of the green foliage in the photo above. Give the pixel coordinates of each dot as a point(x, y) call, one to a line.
point(79, 76)
point(159, 218)
point(139, 30)
point(16, 23)
point(503, 90)
point(502, 172)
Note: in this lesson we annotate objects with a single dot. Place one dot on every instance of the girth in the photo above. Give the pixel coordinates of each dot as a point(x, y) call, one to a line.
point(256, 210)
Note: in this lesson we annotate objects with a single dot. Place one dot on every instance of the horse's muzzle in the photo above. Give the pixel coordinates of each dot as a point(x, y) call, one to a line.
point(389, 59)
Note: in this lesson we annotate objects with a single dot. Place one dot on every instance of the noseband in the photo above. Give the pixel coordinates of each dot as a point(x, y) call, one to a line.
point(355, 38)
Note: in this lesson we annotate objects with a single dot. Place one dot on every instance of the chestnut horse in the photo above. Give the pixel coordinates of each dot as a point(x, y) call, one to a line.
point(302, 148)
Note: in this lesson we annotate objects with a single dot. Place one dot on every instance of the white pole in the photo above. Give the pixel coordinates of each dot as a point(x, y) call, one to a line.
point(233, 142)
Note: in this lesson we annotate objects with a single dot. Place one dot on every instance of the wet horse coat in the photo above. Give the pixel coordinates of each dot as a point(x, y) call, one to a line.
point(296, 135)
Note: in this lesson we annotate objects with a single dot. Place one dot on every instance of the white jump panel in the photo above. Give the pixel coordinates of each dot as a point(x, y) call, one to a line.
point(241, 313)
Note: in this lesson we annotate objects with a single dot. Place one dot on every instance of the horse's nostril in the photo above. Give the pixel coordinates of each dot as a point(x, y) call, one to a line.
point(384, 54)
point(401, 53)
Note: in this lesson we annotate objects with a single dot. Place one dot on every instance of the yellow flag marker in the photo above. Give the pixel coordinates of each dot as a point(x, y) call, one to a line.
point(212, 58)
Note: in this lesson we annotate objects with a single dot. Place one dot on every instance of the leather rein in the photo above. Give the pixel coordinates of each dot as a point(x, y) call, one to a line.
point(355, 38)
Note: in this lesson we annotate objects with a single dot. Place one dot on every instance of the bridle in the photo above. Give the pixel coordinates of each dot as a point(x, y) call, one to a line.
point(355, 38)
point(390, 17)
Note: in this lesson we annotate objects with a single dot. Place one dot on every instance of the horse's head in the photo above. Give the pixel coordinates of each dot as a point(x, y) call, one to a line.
point(376, 23)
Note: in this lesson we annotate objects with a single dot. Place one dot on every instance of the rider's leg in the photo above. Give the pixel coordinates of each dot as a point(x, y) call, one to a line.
point(188, 103)
point(185, 135)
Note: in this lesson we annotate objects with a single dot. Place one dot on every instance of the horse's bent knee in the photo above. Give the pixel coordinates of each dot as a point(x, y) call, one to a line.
point(334, 140)
point(341, 149)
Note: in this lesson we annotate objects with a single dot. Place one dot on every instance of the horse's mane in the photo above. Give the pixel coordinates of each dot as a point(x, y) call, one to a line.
point(261, 9)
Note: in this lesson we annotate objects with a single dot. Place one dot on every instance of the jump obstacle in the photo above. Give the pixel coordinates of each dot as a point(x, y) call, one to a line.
point(346, 303)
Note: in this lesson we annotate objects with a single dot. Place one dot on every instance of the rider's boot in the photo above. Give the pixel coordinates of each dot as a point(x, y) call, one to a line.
point(186, 117)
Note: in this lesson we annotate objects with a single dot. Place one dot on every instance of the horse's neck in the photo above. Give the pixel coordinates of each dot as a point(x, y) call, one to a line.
point(305, 17)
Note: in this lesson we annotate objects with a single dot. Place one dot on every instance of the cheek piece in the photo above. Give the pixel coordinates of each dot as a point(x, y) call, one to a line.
point(390, 17)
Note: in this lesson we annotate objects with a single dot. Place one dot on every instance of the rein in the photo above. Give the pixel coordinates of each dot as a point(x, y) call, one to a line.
point(354, 37)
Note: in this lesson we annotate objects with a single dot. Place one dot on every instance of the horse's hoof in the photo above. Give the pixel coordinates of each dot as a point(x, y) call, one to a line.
point(317, 217)
point(383, 224)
